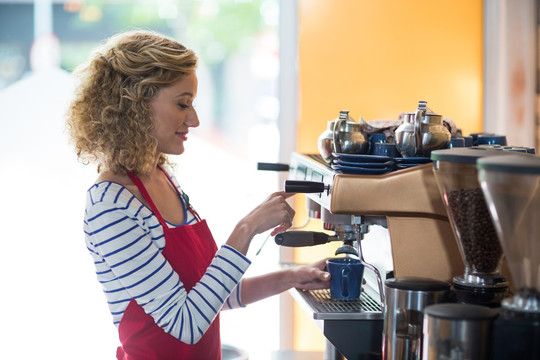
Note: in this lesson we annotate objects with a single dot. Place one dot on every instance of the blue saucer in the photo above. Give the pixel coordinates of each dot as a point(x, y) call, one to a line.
point(361, 171)
point(412, 160)
point(406, 166)
point(362, 158)
point(364, 165)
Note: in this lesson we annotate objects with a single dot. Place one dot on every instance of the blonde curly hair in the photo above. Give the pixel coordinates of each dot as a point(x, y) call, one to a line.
point(109, 120)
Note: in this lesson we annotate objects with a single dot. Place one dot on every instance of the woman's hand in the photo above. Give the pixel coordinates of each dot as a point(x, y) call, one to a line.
point(312, 276)
point(274, 213)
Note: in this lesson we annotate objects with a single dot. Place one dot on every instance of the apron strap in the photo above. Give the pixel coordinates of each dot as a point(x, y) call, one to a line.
point(183, 196)
point(147, 197)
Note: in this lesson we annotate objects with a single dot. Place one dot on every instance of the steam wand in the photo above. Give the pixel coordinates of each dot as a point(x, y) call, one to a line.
point(363, 229)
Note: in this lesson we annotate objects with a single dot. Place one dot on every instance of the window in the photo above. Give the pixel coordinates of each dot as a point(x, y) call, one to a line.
point(55, 291)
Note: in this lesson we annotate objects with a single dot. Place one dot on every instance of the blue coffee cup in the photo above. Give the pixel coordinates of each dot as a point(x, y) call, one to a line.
point(468, 141)
point(491, 139)
point(386, 149)
point(476, 135)
point(457, 142)
point(374, 139)
point(346, 277)
point(377, 137)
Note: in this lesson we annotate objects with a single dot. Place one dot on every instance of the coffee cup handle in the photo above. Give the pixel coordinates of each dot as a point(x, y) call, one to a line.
point(345, 281)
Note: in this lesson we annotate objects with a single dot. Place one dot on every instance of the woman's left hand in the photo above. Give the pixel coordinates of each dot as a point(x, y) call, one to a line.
point(312, 276)
point(305, 277)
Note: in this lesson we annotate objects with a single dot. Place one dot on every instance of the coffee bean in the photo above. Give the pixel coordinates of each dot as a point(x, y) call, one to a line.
point(474, 226)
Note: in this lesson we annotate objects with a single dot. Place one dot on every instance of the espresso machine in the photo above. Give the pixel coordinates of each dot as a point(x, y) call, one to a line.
point(406, 204)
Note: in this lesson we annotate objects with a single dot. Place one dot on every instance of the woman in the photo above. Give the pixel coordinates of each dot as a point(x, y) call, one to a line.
point(164, 278)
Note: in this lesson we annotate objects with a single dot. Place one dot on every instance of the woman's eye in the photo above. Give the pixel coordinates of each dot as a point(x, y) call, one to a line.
point(183, 106)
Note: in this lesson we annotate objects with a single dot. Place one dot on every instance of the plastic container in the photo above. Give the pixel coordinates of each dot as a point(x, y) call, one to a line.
point(457, 179)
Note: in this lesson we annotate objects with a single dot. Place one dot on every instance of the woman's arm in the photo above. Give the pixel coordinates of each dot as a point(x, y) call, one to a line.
point(306, 277)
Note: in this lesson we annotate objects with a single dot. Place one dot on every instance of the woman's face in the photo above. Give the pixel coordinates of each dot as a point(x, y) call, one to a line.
point(173, 114)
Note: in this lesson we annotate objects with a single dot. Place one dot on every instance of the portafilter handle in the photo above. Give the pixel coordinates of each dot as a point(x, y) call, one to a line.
point(272, 166)
point(302, 238)
point(305, 187)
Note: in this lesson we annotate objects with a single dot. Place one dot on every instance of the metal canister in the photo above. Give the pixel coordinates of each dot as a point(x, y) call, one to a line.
point(457, 332)
point(406, 299)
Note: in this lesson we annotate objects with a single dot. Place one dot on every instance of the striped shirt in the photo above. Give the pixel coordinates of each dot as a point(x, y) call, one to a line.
point(126, 240)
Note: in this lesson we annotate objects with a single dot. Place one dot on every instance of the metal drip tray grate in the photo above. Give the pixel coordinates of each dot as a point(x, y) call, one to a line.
point(326, 308)
point(327, 304)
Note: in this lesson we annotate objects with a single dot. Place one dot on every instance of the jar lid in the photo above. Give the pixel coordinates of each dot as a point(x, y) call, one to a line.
point(454, 311)
point(417, 284)
point(464, 155)
point(514, 163)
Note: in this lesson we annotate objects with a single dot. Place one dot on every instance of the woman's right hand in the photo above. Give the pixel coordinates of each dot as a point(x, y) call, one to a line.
point(274, 213)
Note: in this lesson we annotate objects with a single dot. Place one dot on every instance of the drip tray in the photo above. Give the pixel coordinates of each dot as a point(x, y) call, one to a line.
point(324, 307)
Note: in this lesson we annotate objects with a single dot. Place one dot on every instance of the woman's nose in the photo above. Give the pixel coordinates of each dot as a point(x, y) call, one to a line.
point(192, 119)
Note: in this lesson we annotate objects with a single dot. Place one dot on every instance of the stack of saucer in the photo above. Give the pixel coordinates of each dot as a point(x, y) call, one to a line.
point(361, 164)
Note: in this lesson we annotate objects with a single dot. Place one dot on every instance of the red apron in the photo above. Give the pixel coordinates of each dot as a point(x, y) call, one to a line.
point(189, 249)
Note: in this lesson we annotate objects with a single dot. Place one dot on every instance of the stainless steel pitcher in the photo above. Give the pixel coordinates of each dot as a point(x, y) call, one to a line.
point(343, 135)
point(458, 331)
point(421, 132)
point(406, 298)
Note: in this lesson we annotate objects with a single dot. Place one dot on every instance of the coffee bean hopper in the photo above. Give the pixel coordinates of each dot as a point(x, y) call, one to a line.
point(457, 178)
point(511, 185)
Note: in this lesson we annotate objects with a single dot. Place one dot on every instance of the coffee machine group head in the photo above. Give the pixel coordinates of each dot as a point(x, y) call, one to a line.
point(347, 229)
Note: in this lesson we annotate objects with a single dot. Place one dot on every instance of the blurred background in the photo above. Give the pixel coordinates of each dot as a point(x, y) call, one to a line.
point(53, 305)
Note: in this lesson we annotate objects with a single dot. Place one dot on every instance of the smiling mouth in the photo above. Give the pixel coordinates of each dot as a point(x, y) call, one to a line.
point(182, 135)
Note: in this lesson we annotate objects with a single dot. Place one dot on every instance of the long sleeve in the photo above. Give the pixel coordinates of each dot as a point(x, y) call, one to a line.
point(126, 241)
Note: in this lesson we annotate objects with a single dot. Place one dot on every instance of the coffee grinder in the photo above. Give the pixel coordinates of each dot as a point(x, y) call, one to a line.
point(511, 185)
point(457, 178)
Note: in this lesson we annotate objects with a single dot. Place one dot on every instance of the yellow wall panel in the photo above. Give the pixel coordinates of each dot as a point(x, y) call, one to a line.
point(378, 58)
